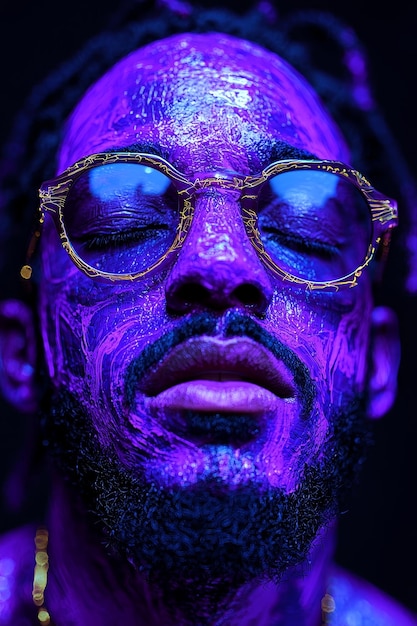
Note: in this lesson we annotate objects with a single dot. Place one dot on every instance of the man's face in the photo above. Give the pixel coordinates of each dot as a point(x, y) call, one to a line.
point(212, 370)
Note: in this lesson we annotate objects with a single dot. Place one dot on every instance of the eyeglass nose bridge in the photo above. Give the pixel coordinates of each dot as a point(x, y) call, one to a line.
point(247, 189)
point(217, 180)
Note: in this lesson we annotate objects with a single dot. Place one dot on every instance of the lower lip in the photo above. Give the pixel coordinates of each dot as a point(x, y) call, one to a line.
point(208, 395)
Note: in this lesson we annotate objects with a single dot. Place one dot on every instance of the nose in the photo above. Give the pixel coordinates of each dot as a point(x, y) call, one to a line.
point(218, 267)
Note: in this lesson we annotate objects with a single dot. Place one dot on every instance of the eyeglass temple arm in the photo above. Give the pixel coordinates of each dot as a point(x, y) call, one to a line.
point(26, 270)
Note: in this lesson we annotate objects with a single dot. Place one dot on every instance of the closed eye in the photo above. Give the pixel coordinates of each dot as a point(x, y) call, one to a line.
point(297, 243)
point(101, 241)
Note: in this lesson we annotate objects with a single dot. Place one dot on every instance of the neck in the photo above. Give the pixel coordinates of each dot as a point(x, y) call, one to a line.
point(86, 585)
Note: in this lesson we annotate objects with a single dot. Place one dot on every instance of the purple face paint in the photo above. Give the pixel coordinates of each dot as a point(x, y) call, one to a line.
point(191, 91)
point(208, 103)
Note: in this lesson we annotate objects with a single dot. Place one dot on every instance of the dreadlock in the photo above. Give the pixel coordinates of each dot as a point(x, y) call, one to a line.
point(324, 49)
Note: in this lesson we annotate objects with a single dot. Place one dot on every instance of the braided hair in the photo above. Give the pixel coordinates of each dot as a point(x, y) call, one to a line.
point(322, 47)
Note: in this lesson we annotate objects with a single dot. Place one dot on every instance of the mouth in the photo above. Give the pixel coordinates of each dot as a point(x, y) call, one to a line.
point(212, 375)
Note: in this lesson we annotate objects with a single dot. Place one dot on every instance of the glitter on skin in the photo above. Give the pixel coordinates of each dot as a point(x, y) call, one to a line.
point(110, 322)
point(183, 91)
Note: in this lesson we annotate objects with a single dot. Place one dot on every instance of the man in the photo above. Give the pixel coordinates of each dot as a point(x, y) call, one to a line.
point(205, 272)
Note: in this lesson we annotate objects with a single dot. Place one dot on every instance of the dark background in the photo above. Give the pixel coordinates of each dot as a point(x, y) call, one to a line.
point(378, 536)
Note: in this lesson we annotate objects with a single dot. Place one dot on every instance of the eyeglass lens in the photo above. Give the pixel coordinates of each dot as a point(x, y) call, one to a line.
point(314, 224)
point(122, 218)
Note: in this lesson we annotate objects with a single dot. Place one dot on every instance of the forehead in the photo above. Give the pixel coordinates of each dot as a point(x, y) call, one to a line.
point(201, 94)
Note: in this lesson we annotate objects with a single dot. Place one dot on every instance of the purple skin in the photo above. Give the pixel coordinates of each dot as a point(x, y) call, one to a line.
point(210, 111)
point(212, 104)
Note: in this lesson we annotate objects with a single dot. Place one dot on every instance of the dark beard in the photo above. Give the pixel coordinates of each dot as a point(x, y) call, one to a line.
point(201, 540)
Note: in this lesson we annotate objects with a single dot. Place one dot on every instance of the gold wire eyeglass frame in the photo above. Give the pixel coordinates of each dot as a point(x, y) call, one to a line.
point(53, 193)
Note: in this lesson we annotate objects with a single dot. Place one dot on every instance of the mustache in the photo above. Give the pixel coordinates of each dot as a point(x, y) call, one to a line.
point(231, 324)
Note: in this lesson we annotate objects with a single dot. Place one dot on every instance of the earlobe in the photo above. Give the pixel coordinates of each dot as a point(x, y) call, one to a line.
point(385, 362)
point(17, 355)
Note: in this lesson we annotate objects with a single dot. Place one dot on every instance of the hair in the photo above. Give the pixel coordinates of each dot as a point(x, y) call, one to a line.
point(322, 47)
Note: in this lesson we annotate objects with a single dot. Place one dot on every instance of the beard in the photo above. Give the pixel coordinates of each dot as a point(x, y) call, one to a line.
point(202, 539)
point(207, 539)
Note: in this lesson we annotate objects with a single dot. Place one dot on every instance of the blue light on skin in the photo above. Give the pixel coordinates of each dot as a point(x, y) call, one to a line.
point(7, 567)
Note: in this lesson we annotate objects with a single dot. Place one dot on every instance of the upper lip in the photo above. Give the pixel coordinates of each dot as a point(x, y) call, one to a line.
point(205, 357)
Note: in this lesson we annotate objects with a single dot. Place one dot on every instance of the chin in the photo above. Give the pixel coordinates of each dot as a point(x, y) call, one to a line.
point(232, 527)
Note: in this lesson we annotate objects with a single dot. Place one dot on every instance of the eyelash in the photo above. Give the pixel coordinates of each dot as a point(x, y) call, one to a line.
point(101, 241)
point(300, 244)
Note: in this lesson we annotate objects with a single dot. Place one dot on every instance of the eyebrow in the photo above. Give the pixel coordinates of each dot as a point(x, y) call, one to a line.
point(146, 147)
point(272, 150)
point(278, 150)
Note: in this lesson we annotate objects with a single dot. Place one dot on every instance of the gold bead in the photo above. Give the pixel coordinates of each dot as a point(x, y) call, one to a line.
point(41, 558)
point(40, 577)
point(328, 604)
point(41, 539)
point(26, 272)
point(44, 617)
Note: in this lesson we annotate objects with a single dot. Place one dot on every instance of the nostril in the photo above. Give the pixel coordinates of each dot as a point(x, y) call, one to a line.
point(249, 295)
point(184, 296)
point(191, 293)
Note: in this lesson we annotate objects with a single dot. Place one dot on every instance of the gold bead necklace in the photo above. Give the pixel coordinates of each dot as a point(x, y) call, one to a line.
point(40, 575)
point(40, 580)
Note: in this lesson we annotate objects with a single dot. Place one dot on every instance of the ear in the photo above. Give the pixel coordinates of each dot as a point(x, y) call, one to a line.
point(384, 362)
point(17, 355)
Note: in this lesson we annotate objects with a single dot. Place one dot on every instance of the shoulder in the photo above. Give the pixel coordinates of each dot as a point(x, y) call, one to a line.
point(362, 604)
point(16, 571)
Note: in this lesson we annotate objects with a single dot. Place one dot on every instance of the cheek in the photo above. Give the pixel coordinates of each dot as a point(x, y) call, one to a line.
point(330, 333)
point(332, 342)
point(88, 327)
point(115, 333)
point(347, 354)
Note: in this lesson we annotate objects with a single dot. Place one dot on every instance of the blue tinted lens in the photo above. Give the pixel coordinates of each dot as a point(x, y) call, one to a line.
point(121, 218)
point(126, 178)
point(315, 225)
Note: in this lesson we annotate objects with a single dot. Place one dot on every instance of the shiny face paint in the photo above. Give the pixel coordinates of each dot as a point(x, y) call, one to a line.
point(211, 368)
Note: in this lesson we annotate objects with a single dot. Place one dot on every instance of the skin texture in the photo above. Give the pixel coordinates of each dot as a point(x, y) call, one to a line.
point(201, 125)
point(207, 103)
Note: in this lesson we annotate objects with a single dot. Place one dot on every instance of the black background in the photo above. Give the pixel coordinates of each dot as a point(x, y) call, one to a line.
point(378, 536)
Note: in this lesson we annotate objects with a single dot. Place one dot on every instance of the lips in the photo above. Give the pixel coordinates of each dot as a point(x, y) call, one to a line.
point(208, 374)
